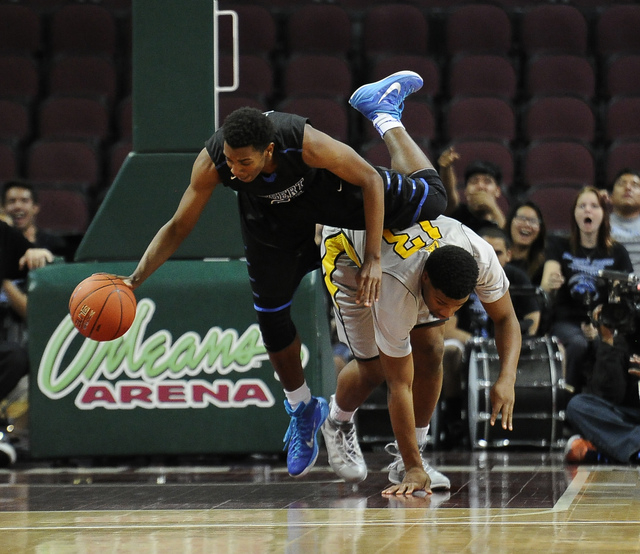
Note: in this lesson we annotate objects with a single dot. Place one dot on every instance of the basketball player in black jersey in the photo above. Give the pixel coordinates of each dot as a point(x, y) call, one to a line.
point(290, 176)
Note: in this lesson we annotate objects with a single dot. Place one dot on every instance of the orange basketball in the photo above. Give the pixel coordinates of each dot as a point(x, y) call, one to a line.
point(102, 307)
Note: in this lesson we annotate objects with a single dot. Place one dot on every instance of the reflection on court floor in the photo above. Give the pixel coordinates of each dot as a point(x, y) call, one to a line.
point(499, 500)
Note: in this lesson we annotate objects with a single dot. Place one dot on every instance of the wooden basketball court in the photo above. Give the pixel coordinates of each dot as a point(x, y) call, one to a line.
point(500, 501)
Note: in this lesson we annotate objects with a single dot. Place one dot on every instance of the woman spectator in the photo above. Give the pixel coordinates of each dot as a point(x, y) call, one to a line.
point(571, 276)
point(526, 229)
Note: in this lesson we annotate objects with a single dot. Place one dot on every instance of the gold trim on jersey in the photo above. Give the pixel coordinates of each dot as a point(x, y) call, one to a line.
point(336, 245)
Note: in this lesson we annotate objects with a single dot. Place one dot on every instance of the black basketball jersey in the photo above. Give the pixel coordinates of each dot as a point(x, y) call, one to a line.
point(281, 208)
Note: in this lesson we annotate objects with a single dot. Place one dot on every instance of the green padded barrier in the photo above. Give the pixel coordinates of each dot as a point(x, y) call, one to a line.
point(144, 196)
point(145, 393)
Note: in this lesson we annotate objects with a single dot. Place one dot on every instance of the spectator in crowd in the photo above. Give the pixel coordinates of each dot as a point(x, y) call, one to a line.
point(20, 203)
point(483, 181)
point(607, 414)
point(471, 321)
point(526, 229)
point(625, 222)
point(570, 277)
point(625, 215)
point(17, 256)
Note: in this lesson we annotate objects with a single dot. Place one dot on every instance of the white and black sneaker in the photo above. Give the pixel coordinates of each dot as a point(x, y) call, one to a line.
point(345, 456)
point(397, 471)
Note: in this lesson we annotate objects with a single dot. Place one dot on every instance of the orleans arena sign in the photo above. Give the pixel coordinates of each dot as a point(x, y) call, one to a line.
point(156, 371)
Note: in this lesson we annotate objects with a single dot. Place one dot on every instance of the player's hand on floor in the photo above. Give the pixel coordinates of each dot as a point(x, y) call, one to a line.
point(415, 480)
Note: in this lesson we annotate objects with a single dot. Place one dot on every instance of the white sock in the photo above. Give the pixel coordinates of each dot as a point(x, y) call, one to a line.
point(295, 397)
point(384, 121)
point(421, 435)
point(337, 414)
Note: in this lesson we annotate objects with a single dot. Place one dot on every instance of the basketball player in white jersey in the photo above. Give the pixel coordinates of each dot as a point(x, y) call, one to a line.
point(428, 272)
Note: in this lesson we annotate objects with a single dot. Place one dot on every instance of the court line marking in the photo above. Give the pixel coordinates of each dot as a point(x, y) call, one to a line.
point(573, 489)
point(315, 525)
point(491, 516)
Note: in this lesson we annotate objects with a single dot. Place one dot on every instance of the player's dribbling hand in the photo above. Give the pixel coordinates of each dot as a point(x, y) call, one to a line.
point(415, 480)
point(368, 278)
point(126, 279)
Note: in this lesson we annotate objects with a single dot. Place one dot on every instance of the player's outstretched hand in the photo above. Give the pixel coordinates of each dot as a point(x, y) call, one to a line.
point(415, 480)
point(368, 278)
point(502, 401)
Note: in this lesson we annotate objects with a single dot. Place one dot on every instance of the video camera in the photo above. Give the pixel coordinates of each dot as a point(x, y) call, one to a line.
point(622, 306)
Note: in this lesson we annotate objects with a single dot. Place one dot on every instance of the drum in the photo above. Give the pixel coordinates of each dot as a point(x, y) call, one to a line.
point(540, 396)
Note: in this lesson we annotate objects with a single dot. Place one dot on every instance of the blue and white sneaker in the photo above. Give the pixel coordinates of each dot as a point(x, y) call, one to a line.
point(386, 95)
point(301, 439)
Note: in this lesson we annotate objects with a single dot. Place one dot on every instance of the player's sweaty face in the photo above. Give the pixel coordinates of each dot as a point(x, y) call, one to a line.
point(245, 163)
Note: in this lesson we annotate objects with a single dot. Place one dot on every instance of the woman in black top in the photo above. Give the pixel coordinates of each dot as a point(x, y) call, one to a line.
point(571, 276)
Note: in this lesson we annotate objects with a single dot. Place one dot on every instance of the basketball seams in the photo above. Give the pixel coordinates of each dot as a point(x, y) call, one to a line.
point(88, 294)
point(102, 298)
point(96, 318)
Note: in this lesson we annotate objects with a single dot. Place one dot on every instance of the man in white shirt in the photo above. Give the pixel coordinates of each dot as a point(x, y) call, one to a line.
point(428, 272)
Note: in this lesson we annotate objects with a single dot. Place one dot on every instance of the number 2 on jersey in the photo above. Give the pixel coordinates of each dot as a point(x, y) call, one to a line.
point(405, 245)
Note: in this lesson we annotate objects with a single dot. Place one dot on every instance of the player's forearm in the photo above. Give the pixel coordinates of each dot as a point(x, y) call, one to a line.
point(163, 245)
point(399, 376)
point(508, 343)
point(373, 197)
point(404, 424)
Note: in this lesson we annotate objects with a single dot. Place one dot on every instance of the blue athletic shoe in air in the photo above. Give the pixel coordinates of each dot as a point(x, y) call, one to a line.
point(387, 95)
point(302, 434)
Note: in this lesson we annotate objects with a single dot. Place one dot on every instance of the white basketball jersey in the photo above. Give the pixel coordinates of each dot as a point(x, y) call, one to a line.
point(403, 255)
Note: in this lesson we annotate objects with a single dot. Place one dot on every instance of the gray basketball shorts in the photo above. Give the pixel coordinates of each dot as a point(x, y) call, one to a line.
point(354, 322)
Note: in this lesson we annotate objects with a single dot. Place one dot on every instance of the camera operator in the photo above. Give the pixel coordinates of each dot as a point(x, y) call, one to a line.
point(607, 413)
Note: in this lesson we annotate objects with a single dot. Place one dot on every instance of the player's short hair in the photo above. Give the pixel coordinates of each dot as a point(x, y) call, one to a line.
point(482, 167)
point(453, 271)
point(248, 127)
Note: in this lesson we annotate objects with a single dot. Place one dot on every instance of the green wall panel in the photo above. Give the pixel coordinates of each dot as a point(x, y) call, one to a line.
point(144, 196)
point(142, 394)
